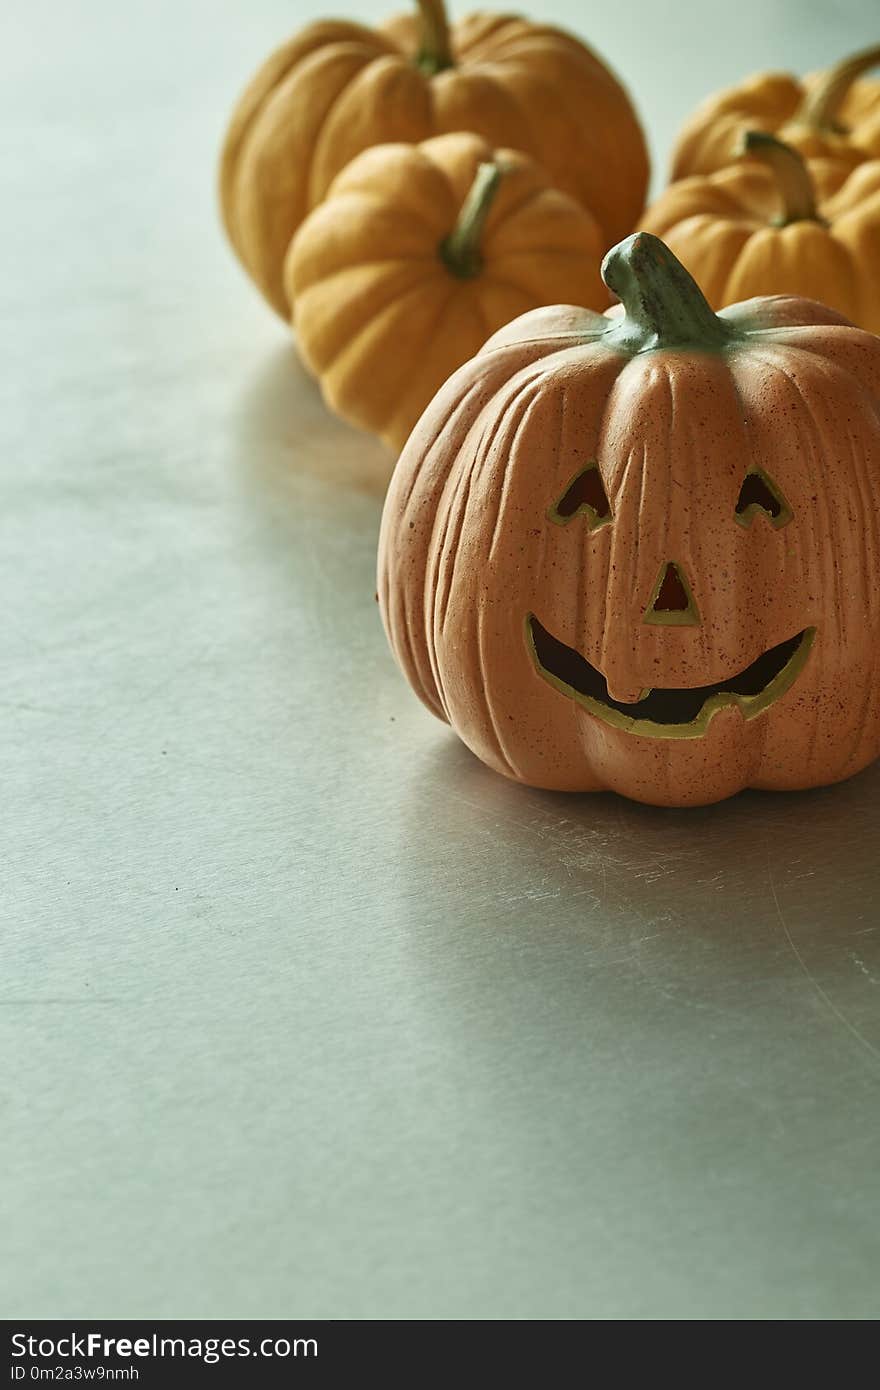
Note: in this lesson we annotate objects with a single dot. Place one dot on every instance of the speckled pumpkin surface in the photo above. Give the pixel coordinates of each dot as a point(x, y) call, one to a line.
point(833, 115)
point(643, 553)
point(338, 88)
point(761, 228)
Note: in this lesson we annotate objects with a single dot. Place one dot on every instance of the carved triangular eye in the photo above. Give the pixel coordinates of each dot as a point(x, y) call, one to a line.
point(759, 494)
point(585, 495)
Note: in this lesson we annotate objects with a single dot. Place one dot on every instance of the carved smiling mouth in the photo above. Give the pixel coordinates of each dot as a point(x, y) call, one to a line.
point(669, 713)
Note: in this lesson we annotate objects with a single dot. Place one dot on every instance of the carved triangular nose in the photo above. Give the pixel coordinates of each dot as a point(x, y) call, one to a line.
point(672, 602)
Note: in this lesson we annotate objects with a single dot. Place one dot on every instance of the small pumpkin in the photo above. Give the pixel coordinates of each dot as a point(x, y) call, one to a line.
point(417, 255)
point(829, 115)
point(642, 553)
point(338, 88)
point(759, 228)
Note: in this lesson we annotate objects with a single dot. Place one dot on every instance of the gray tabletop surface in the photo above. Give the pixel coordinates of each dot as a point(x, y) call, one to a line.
point(302, 1010)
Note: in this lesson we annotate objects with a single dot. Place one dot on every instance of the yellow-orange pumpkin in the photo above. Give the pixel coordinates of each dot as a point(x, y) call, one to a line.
point(338, 88)
point(643, 553)
point(828, 115)
point(417, 255)
point(759, 229)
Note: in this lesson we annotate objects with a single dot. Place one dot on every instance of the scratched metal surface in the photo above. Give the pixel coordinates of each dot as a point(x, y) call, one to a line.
point(302, 1010)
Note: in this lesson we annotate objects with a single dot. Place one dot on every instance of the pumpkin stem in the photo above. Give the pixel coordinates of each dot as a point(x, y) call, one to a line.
point(664, 305)
point(791, 174)
point(460, 251)
point(820, 107)
point(435, 46)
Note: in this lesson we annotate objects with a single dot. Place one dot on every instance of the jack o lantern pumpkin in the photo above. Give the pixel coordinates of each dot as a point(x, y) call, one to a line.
point(642, 553)
point(759, 228)
point(337, 88)
point(832, 115)
point(416, 256)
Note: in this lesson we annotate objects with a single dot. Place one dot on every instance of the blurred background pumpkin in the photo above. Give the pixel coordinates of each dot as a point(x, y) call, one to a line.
point(417, 255)
point(337, 88)
point(833, 114)
point(777, 224)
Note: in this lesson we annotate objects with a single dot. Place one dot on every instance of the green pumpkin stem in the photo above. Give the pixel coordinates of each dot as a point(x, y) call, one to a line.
point(664, 304)
point(460, 251)
point(820, 107)
point(796, 189)
point(435, 47)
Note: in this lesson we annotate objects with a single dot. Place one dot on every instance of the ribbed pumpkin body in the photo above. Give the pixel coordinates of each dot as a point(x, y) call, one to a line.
point(722, 228)
point(775, 101)
point(472, 552)
point(381, 318)
point(338, 88)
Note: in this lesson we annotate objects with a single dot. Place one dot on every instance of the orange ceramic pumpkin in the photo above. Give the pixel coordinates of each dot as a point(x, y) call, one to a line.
point(643, 553)
point(416, 256)
point(830, 115)
point(750, 230)
point(338, 88)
